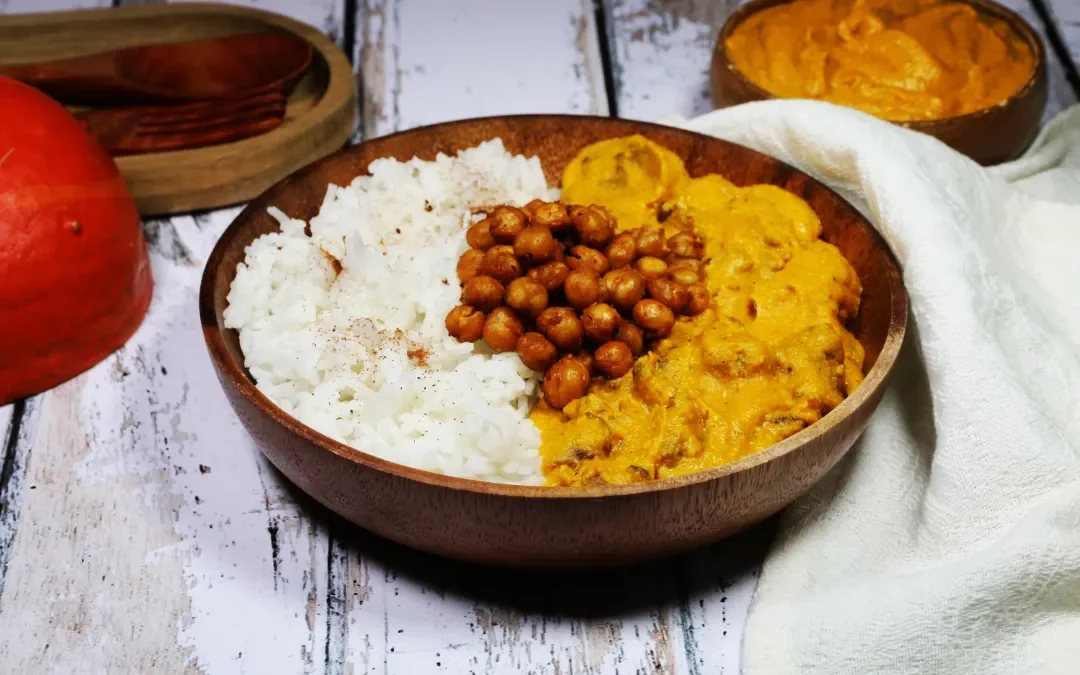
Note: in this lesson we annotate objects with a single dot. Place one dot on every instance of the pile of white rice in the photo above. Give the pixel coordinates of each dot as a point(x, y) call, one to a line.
point(363, 356)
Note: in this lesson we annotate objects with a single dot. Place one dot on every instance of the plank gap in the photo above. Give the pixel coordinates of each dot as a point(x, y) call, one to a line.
point(1058, 44)
point(348, 42)
point(605, 40)
point(12, 469)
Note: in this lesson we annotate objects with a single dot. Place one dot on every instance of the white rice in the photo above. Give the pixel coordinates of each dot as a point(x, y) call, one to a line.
point(333, 350)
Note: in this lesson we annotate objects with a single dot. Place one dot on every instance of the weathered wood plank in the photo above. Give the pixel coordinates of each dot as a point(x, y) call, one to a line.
point(425, 62)
point(1063, 19)
point(1062, 94)
point(662, 50)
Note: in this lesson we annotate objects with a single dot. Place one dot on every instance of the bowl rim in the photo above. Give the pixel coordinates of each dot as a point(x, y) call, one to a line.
point(235, 373)
point(722, 59)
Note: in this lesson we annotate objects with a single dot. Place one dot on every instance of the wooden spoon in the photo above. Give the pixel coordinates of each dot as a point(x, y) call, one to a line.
point(172, 73)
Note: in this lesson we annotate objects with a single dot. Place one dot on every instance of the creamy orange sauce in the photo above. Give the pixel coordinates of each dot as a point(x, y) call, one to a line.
point(899, 60)
point(770, 356)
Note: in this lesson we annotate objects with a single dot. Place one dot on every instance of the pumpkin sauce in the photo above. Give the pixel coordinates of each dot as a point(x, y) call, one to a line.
point(770, 356)
point(900, 60)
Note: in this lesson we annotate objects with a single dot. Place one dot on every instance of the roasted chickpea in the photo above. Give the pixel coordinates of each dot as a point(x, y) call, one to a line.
point(654, 317)
point(582, 288)
point(683, 276)
point(583, 256)
point(686, 245)
point(595, 226)
point(632, 337)
point(565, 381)
point(465, 323)
point(552, 215)
point(503, 329)
point(621, 251)
point(500, 263)
point(586, 359)
point(468, 265)
point(650, 241)
point(624, 288)
point(651, 267)
point(479, 235)
point(536, 351)
point(613, 359)
point(483, 292)
point(506, 223)
point(530, 208)
point(534, 245)
point(688, 264)
point(550, 275)
point(527, 296)
point(697, 299)
point(601, 322)
point(562, 327)
point(671, 293)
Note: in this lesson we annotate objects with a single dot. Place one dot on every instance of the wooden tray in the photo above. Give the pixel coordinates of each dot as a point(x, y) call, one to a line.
point(318, 120)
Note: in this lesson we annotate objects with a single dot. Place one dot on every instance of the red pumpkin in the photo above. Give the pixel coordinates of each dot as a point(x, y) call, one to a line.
point(74, 271)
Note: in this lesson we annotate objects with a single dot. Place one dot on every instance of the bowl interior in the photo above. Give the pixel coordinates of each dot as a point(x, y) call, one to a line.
point(987, 7)
point(556, 139)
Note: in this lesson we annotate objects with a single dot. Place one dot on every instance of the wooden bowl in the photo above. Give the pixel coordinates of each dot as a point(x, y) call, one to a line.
point(990, 136)
point(523, 526)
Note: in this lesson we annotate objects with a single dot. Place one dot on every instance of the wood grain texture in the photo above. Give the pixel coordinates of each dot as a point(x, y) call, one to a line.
point(426, 62)
point(662, 50)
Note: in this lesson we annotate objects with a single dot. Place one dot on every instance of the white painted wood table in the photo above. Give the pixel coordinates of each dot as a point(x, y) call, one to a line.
point(142, 532)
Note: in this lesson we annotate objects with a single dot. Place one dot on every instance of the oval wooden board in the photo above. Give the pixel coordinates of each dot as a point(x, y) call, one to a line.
point(319, 118)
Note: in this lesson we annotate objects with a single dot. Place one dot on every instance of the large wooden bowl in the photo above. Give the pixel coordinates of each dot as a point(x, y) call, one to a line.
point(990, 136)
point(555, 527)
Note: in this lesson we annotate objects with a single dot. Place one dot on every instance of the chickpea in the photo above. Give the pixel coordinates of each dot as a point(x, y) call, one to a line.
point(688, 264)
point(632, 337)
point(562, 327)
point(534, 245)
point(565, 381)
point(622, 250)
point(479, 235)
point(654, 317)
point(483, 292)
point(503, 329)
point(624, 288)
point(552, 215)
point(594, 224)
point(583, 256)
point(468, 265)
point(530, 208)
point(651, 267)
point(698, 299)
point(586, 359)
point(613, 359)
point(506, 223)
point(536, 351)
point(671, 293)
point(499, 262)
point(601, 322)
point(582, 288)
point(550, 275)
point(683, 276)
point(527, 296)
point(686, 245)
point(465, 323)
point(650, 241)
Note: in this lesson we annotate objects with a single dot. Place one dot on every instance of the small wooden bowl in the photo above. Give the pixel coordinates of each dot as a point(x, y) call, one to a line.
point(542, 527)
point(990, 136)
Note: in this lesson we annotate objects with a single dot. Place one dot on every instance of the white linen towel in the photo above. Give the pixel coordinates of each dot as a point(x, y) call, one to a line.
point(948, 540)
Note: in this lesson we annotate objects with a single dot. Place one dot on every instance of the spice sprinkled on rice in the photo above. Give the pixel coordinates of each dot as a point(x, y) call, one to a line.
point(344, 329)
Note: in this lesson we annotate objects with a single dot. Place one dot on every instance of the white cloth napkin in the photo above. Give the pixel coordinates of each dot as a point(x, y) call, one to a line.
point(948, 541)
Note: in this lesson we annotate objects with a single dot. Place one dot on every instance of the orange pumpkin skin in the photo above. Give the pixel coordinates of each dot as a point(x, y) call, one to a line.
point(74, 270)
